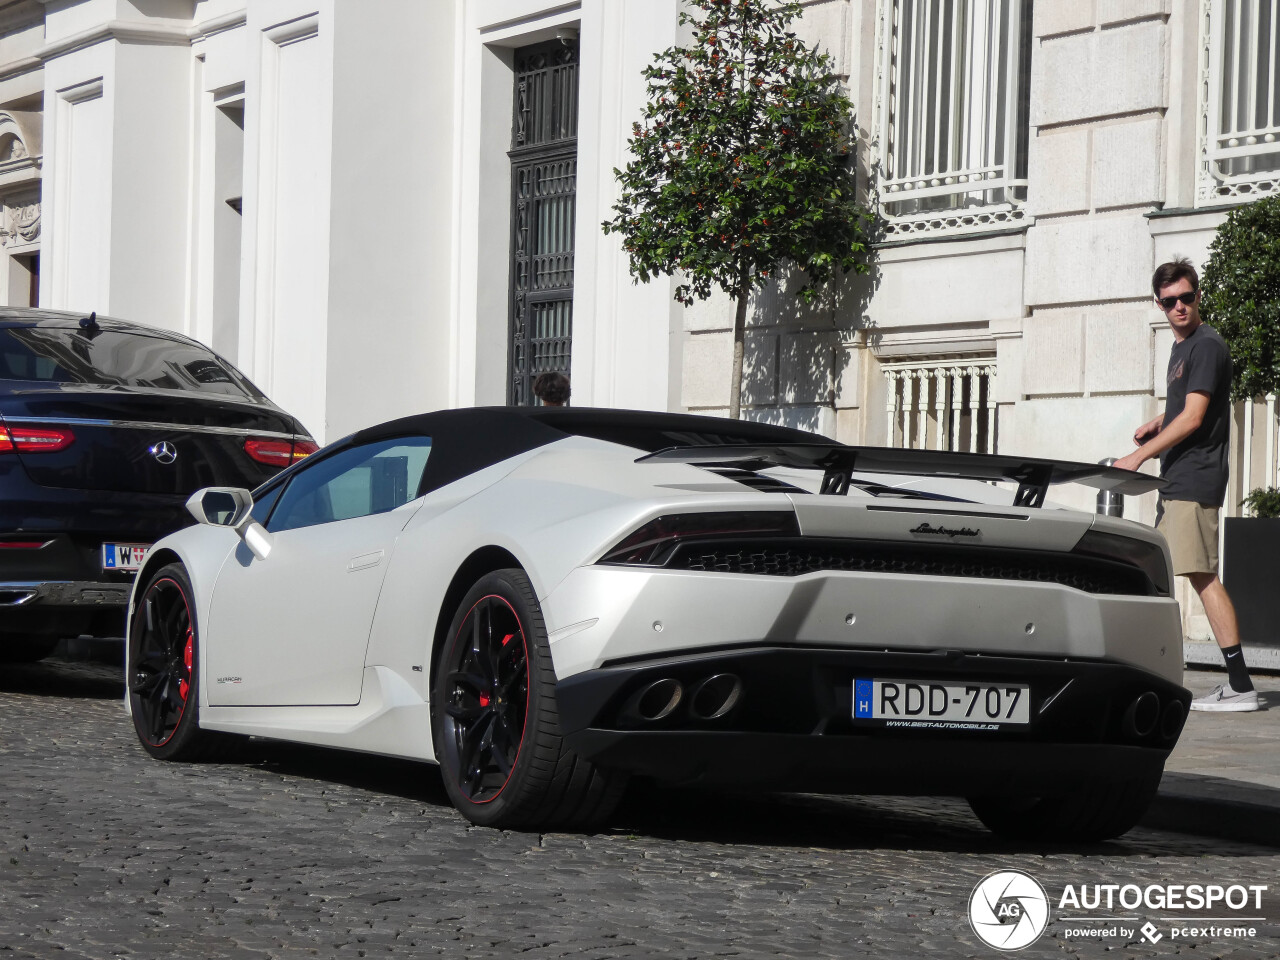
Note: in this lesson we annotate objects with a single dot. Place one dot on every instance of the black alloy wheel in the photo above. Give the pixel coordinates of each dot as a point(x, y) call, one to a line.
point(495, 723)
point(487, 680)
point(162, 670)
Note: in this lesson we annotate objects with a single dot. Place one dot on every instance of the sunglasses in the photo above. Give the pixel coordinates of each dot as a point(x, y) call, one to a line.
point(1167, 303)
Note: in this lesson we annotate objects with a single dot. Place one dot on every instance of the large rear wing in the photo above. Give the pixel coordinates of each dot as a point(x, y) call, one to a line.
point(839, 463)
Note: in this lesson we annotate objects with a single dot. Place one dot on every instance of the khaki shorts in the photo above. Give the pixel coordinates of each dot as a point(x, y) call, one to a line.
point(1192, 532)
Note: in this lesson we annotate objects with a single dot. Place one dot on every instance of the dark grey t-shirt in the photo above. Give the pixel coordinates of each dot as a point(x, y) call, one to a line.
point(1196, 468)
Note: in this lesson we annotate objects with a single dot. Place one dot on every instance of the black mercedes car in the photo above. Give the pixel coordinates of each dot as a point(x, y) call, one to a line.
point(106, 427)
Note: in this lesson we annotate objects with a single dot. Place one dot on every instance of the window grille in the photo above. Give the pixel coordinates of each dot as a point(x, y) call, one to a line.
point(1240, 108)
point(952, 114)
point(940, 405)
point(544, 192)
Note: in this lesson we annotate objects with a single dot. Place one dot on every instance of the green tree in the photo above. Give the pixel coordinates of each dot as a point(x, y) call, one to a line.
point(1241, 295)
point(741, 165)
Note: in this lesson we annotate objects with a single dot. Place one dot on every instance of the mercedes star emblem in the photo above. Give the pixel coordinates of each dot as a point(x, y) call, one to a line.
point(164, 452)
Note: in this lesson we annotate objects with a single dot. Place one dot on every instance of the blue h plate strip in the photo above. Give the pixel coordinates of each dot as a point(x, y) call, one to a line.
point(862, 694)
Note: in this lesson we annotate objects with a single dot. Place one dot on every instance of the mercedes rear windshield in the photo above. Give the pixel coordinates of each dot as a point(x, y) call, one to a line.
point(112, 358)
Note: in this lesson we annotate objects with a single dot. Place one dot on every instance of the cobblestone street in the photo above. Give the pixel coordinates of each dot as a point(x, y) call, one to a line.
point(304, 852)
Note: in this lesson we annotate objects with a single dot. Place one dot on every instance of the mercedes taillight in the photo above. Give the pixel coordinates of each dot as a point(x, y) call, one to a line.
point(278, 453)
point(18, 438)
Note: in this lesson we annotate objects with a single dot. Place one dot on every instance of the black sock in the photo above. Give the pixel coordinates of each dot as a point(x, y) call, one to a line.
point(1237, 672)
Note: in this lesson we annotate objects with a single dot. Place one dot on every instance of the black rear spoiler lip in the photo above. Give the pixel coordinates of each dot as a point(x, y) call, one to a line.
point(838, 462)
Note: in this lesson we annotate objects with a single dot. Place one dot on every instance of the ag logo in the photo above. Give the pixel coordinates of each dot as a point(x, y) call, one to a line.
point(1008, 910)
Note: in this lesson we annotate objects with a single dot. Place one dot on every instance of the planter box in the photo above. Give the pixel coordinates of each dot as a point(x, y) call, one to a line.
point(1251, 574)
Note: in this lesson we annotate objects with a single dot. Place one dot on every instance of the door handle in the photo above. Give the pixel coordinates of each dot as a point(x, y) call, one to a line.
point(364, 561)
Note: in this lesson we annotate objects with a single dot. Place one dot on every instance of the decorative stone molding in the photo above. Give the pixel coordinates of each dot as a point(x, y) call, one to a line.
point(19, 138)
point(20, 221)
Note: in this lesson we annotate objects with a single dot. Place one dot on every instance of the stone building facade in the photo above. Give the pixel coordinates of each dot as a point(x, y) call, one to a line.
point(375, 208)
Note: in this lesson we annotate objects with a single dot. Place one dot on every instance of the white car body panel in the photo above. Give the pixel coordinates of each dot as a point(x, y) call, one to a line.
point(343, 657)
point(645, 613)
point(314, 597)
point(391, 718)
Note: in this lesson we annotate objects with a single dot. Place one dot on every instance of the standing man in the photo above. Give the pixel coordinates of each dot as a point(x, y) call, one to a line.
point(1191, 440)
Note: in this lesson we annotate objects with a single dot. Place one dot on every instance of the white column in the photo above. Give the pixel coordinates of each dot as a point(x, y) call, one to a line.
point(957, 397)
point(891, 407)
point(1271, 440)
point(922, 408)
point(1246, 443)
point(985, 373)
point(971, 445)
point(940, 407)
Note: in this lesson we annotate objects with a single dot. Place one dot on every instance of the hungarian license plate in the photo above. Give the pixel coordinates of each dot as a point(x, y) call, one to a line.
point(124, 556)
point(921, 703)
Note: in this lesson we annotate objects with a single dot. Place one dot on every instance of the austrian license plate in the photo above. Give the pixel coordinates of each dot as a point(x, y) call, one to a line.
point(942, 706)
point(124, 556)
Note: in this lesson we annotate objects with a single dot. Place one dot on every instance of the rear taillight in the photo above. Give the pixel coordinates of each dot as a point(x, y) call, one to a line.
point(278, 453)
point(653, 543)
point(15, 437)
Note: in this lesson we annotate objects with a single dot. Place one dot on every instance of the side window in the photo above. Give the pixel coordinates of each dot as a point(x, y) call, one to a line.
point(262, 507)
point(372, 478)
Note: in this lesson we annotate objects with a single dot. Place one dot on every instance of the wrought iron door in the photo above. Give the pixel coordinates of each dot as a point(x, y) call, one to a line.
point(544, 168)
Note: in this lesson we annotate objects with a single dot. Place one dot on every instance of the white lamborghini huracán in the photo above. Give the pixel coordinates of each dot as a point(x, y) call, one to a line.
point(547, 601)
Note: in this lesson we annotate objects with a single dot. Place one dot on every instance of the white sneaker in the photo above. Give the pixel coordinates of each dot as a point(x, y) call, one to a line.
point(1224, 698)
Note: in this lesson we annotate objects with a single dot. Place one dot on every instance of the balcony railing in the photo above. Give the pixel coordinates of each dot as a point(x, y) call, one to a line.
point(1255, 432)
point(952, 114)
point(1240, 109)
point(941, 404)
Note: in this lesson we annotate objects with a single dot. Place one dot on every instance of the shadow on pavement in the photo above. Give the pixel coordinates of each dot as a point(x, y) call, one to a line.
point(732, 818)
point(57, 676)
point(944, 824)
point(408, 779)
point(1218, 807)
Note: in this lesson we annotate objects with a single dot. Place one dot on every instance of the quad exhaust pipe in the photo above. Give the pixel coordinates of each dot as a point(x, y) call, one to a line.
point(1143, 715)
point(708, 699)
point(1172, 719)
point(715, 696)
point(659, 699)
point(1146, 716)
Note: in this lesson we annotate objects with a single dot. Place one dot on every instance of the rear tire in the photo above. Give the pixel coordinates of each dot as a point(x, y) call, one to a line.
point(495, 723)
point(1099, 811)
point(163, 668)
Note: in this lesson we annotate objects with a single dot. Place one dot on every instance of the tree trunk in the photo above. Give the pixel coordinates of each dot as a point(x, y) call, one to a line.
point(739, 339)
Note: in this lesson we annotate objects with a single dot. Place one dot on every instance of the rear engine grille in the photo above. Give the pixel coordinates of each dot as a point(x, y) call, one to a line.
point(793, 558)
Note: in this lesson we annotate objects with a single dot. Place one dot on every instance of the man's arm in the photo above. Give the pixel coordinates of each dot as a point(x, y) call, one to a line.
point(1148, 429)
point(1183, 425)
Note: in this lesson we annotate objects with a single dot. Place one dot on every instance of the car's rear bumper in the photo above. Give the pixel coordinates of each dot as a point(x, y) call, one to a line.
point(793, 726)
point(62, 608)
point(63, 593)
point(52, 579)
point(601, 614)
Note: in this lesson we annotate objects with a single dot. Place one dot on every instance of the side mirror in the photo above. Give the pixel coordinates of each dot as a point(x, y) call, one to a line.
point(255, 537)
point(220, 506)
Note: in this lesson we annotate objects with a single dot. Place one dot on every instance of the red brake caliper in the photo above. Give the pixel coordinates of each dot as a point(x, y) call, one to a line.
point(184, 685)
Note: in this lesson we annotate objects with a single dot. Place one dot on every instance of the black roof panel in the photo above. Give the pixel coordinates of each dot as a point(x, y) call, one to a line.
point(470, 439)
